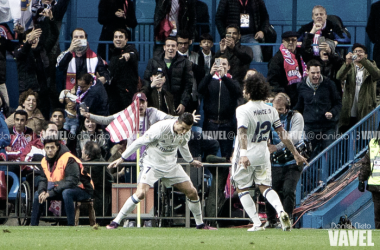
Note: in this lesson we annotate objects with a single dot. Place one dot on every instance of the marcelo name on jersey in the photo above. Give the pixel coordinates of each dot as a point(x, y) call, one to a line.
point(262, 112)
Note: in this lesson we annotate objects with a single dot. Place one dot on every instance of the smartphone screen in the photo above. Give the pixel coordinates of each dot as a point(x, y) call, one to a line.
point(217, 62)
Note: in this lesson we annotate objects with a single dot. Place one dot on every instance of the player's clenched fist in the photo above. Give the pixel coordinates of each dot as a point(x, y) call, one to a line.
point(244, 161)
point(115, 163)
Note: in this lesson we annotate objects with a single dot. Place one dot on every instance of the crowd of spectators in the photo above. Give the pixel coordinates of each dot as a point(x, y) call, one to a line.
point(307, 68)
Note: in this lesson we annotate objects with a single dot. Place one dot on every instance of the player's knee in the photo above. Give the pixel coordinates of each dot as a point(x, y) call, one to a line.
point(242, 190)
point(192, 194)
point(140, 194)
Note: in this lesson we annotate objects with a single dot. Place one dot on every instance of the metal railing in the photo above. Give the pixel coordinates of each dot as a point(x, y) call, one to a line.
point(338, 157)
point(23, 209)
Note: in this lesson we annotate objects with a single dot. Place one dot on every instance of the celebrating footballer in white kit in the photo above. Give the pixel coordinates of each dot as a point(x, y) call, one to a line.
point(159, 162)
point(251, 162)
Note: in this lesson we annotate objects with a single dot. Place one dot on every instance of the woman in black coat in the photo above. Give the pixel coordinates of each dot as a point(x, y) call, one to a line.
point(114, 14)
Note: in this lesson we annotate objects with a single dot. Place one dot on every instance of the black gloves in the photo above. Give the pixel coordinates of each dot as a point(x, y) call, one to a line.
point(361, 186)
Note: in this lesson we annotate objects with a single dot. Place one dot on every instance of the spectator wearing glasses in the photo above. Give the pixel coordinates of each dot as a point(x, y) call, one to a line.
point(284, 75)
point(359, 93)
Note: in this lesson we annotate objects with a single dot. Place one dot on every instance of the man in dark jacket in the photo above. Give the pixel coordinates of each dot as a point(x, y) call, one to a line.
point(62, 178)
point(5, 45)
point(102, 179)
point(238, 56)
point(285, 80)
point(252, 18)
point(373, 30)
point(320, 104)
point(33, 64)
point(175, 75)
point(320, 26)
point(220, 94)
point(80, 59)
point(171, 16)
point(114, 15)
point(124, 75)
point(93, 94)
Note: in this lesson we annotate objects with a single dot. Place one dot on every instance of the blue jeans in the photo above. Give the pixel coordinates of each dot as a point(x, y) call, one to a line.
point(257, 54)
point(68, 196)
point(71, 124)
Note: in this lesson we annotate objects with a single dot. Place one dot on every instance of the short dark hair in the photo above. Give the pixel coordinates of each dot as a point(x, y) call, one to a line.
point(233, 26)
point(187, 118)
point(87, 78)
point(54, 139)
point(313, 63)
point(21, 112)
point(93, 150)
point(122, 31)
point(257, 87)
point(359, 45)
point(183, 34)
point(58, 110)
point(72, 33)
point(45, 125)
point(171, 38)
point(24, 95)
point(207, 36)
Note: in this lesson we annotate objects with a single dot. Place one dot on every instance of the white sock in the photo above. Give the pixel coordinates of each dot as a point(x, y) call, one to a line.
point(127, 208)
point(274, 200)
point(249, 207)
point(195, 208)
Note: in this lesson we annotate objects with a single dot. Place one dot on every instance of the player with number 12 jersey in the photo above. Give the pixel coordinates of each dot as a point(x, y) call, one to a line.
point(258, 118)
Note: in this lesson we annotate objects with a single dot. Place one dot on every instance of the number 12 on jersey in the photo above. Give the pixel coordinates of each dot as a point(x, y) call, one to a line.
point(261, 131)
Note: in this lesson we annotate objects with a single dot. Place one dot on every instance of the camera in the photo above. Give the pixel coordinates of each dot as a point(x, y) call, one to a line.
point(160, 73)
point(228, 35)
point(354, 57)
point(217, 62)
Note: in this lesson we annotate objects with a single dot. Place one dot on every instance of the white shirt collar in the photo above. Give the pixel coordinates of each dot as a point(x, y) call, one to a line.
point(206, 55)
point(184, 54)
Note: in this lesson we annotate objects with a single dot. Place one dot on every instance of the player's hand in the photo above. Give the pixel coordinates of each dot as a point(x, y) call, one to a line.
point(196, 118)
point(197, 164)
point(244, 161)
point(115, 163)
point(180, 109)
point(300, 160)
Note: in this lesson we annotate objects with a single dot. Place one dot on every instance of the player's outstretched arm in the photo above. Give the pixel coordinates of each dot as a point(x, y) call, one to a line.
point(115, 163)
point(288, 143)
point(243, 142)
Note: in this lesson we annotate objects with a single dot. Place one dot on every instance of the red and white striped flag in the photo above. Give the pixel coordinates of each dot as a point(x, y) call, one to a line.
point(126, 124)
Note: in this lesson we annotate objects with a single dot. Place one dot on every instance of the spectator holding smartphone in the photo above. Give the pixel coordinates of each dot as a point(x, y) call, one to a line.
point(238, 56)
point(220, 92)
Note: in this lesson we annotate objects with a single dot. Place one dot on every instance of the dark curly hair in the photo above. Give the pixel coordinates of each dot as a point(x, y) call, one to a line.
point(257, 87)
point(24, 96)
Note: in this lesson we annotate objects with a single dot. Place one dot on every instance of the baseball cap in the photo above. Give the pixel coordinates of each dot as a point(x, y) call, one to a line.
point(140, 95)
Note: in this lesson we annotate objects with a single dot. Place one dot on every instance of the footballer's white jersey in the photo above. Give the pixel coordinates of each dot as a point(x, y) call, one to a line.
point(258, 118)
point(162, 145)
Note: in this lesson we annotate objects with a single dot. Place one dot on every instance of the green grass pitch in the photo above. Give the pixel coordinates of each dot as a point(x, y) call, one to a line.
point(83, 238)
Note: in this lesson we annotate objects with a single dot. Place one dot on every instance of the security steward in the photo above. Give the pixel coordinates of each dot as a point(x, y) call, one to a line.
point(63, 178)
point(370, 170)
